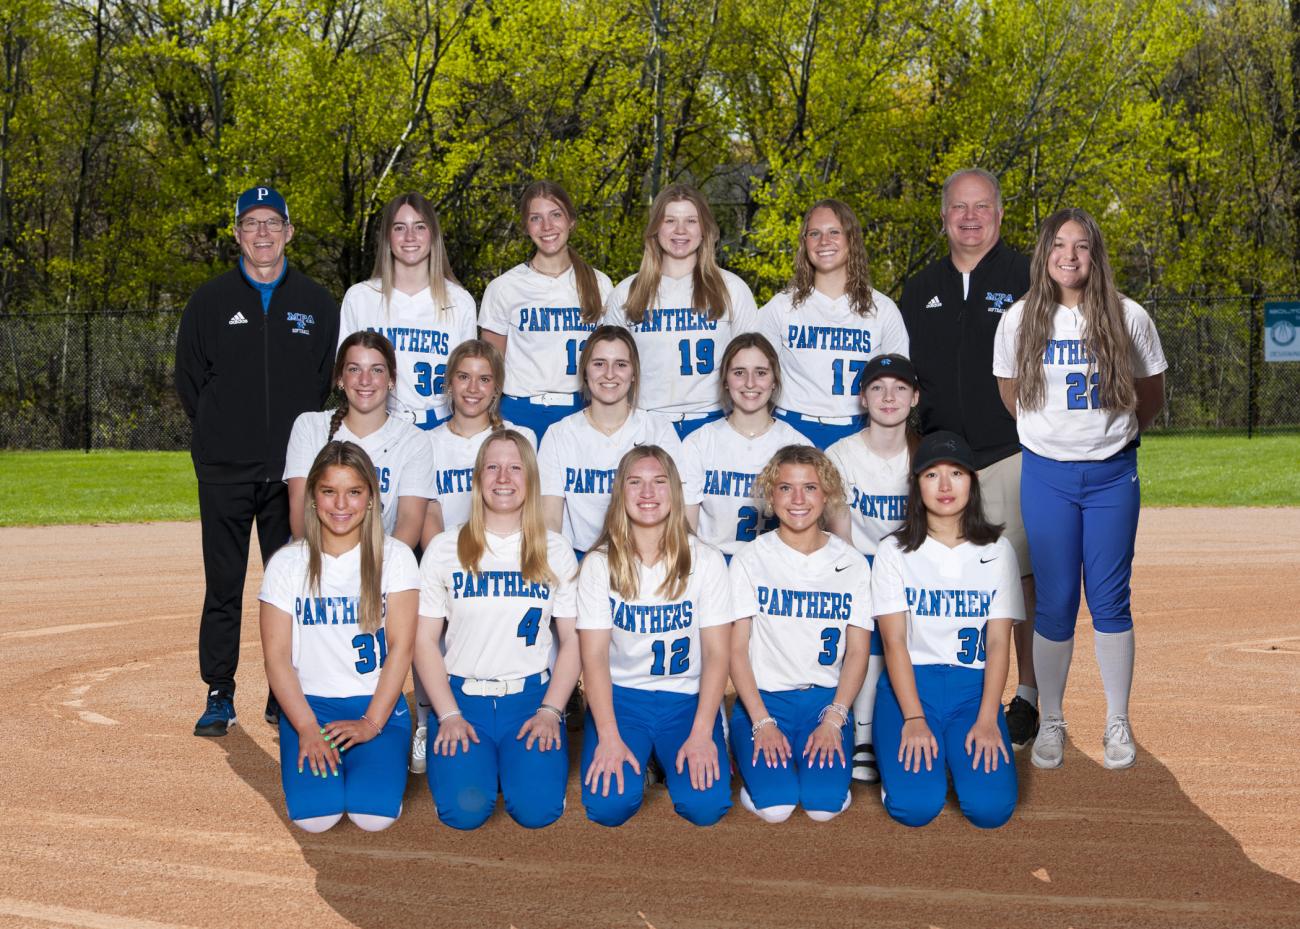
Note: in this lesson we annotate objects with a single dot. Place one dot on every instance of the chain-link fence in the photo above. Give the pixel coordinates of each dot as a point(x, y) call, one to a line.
point(104, 380)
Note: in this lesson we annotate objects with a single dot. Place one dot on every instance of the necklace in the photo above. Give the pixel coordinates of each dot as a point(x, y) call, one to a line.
point(757, 432)
point(560, 273)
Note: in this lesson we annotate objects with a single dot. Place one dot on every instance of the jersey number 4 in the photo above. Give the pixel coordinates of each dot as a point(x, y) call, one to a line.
point(428, 379)
point(365, 646)
point(529, 624)
point(678, 661)
point(1077, 394)
point(972, 644)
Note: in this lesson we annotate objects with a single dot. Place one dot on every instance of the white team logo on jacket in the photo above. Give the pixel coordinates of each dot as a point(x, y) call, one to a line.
point(934, 304)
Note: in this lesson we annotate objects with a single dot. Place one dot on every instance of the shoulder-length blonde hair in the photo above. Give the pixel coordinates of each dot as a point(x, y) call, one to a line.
point(439, 267)
point(827, 475)
point(1106, 337)
point(736, 346)
point(472, 540)
point(610, 334)
point(353, 457)
point(477, 348)
point(593, 307)
point(616, 534)
point(859, 269)
point(709, 294)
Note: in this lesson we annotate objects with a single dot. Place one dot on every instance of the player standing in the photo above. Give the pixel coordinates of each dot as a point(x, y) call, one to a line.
point(241, 406)
point(413, 298)
point(364, 372)
point(1082, 368)
point(497, 583)
point(827, 324)
point(539, 313)
point(952, 308)
point(874, 465)
point(799, 655)
point(654, 621)
point(722, 459)
point(946, 591)
point(580, 454)
point(682, 309)
point(338, 629)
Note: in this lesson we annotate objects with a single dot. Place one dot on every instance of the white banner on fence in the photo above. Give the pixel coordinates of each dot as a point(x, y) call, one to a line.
point(1282, 331)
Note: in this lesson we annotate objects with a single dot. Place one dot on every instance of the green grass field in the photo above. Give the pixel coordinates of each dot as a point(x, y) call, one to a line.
point(50, 488)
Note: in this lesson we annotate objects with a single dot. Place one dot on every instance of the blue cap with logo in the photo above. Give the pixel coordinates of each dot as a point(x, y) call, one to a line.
point(254, 197)
point(943, 446)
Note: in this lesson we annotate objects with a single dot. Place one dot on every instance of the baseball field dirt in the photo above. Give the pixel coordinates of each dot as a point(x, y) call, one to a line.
point(117, 817)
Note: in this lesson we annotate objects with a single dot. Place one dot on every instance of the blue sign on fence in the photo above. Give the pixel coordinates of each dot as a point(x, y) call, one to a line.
point(1282, 331)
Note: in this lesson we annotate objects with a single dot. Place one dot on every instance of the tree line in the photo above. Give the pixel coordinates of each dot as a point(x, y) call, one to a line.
point(127, 127)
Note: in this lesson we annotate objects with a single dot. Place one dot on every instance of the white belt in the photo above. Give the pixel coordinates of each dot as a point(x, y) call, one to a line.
point(475, 687)
point(687, 417)
point(824, 420)
point(551, 399)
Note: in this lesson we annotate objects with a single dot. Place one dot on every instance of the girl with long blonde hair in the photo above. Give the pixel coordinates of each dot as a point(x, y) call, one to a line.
point(654, 620)
point(1081, 368)
point(502, 586)
point(682, 309)
point(338, 612)
point(414, 299)
point(539, 313)
point(828, 324)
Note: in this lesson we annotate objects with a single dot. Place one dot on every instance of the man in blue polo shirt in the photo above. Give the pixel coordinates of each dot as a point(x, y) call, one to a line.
point(255, 349)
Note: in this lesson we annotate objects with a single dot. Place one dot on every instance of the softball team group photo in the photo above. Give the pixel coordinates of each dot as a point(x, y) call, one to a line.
point(753, 554)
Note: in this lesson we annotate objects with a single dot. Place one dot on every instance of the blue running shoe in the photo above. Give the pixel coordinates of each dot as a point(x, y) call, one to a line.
point(219, 715)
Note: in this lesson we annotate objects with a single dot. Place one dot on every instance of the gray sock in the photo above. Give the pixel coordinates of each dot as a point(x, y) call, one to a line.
point(1052, 667)
point(864, 704)
point(1115, 661)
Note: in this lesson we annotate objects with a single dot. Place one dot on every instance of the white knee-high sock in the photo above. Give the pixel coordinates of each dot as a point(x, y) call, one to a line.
point(1052, 667)
point(318, 823)
point(864, 705)
point(422, 702)
point(1115, 661)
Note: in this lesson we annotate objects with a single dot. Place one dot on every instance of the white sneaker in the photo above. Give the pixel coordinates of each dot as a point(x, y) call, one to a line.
point(1049, 746)
point(1120, 752)
point(419, 749)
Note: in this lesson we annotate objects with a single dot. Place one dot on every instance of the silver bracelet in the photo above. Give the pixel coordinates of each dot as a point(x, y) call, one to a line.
point(379, 730)
point(559, 714)
point(839, 708)
point(446, 716)
point(765, 721)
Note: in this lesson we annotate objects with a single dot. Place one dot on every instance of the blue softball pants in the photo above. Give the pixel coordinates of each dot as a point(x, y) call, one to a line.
point(655, 722)
point(372, 775)
point(813, 788)
point(538, 416)
point(1081, 518)
point(819, 433)
point(465, 786)
point(950, 698)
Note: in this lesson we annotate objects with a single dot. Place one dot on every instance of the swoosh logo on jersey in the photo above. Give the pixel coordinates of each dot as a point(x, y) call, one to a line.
point(988, 559)
point(842, 567)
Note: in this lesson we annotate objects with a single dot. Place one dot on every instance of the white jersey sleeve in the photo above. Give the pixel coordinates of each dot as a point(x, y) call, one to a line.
point(655, 641)
point(306, 439)
point(1071, 425)
point(875, 487)
point(801, 606)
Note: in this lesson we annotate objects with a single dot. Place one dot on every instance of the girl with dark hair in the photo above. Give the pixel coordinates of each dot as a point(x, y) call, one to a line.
point(1081, 368)
point(945, 589)
point(413, 298)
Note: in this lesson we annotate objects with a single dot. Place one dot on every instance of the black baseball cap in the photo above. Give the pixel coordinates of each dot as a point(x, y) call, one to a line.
point(899, 366)
point(943, 446)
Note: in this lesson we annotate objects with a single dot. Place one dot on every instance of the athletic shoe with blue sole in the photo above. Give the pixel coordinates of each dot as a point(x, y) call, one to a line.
point(219, 715)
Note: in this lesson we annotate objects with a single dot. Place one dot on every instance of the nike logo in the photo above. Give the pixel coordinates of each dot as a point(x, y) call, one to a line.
point(844, 567)
point(988, 559)
point(1133, 479)
point(400, 710)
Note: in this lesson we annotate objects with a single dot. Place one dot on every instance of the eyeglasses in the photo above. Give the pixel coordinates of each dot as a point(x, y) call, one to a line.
point(248, 224)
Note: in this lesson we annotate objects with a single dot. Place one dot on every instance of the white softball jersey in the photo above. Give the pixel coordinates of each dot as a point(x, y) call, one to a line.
point(1070, 425)
point(498, 623)
point(332, 656)
point(422, 335)
point(802, 606)
point(824, 347)
point(398, 450)
point(541, 318)
point(680, 348)
point(453, 468)
point(876, 489)
point(720, 468)
point(948, 595)
point(655, 642)
point(577, 462)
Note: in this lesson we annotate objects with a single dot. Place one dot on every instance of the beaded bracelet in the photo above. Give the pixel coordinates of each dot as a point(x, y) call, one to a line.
point(559, 714)
point(446, 716)
point(839, 708)
point(379, 730)
point(765, 721)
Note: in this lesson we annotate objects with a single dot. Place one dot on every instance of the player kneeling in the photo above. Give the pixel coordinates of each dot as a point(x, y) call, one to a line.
point(799, 657)
point(338, 626)
point(946, 589)
point(497, 583)
point(654, 621)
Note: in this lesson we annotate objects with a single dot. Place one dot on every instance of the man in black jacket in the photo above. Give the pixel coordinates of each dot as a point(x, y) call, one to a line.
point(952, 309)
point(255, 349)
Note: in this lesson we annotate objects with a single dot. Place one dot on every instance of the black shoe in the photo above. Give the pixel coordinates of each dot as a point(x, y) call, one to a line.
point(219, 715)
point(864, 764)
point(654, 772)
point(575, 709)
point(1022, 722)
point(272, 713)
